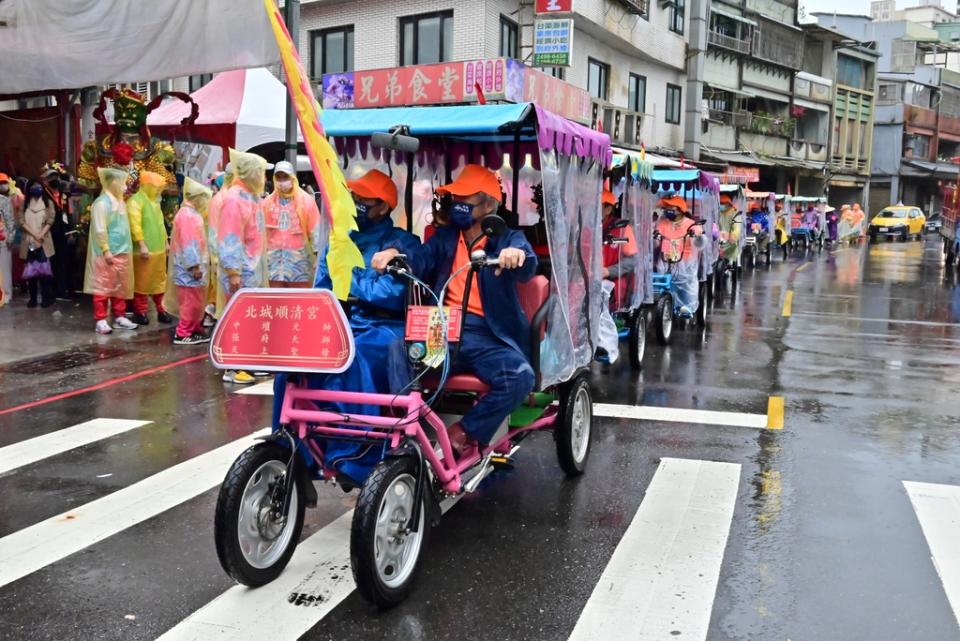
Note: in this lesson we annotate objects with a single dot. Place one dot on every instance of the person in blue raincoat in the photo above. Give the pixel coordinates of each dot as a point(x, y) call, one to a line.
point(495, 339)
point(376, 315)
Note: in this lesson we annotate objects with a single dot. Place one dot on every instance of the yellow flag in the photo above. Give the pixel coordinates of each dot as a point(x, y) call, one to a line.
point(342, 255)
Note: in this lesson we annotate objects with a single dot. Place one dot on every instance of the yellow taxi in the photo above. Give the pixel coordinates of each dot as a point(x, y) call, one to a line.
point(898, 221)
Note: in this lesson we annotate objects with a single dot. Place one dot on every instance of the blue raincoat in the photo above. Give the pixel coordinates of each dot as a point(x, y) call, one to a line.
point(494, 347)
point(374, 336)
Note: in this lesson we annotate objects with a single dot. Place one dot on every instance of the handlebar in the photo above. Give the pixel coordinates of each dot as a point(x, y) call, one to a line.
point(479, 260)
point(399, 265)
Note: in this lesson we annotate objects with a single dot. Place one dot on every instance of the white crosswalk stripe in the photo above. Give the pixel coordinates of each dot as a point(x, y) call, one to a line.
point(41, 447)
point(37, 546)
point(938, 510)
point(317, 579)
point(662, 578)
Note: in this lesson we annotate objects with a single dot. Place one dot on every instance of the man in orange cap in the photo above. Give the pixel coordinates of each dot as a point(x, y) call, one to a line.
point(619, 259)
point(680, 239)
point(495, 340)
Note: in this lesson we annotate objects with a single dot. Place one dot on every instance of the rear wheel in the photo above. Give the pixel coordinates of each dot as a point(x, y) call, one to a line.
point(702, 306)
point(637, 338)
point(663, 318)
point(768, 252)
point(254, 541)
point(574, 427)
point(384, 552)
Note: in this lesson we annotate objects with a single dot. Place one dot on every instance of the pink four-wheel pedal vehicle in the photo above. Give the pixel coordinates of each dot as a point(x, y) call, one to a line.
point(260, 509)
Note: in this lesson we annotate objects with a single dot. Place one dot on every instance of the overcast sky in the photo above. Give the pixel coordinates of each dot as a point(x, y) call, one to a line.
point(860, 6)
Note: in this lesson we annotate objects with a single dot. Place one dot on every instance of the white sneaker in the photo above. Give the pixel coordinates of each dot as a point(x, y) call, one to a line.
point(103, 327)
point(125, 323)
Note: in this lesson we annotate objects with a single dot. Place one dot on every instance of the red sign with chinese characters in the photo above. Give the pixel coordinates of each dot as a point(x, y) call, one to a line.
point(556, 95)
point(741, 174)
point(554, 6)
point(287, 330)
point(448, 82)
point(421, 319)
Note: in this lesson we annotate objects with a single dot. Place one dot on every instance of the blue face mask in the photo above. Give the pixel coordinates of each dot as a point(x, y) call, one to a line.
point(36, 191)
point(671, 214)
point(461, 215)
point(363, 216)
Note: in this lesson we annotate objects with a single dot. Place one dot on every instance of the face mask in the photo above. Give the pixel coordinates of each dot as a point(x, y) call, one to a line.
point(363, 216)
point(461, 215)
point(284, 185)
point(36, 191)
point(670, 214)
point(4, 189)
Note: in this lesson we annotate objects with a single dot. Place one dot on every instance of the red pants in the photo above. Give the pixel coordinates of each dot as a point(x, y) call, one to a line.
point(141, 303)
point(192, 300)
point(100, 307)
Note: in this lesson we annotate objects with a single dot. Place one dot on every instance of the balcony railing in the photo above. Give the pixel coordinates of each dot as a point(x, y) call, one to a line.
point(806, 150)
point(919, 116)
point(778, 44)
point(728, 42)
point(772, 125)
point(733, 118)
point(841, 163)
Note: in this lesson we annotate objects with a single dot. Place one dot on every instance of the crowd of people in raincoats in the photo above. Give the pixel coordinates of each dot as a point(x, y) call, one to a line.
point(224, 236)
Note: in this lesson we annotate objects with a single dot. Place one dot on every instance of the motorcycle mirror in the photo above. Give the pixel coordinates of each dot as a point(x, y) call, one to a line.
point(399, 139)
point(493, 226)
point(620, 224)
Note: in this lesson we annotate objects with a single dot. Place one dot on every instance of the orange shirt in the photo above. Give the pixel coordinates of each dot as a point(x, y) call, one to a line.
point(459, 283)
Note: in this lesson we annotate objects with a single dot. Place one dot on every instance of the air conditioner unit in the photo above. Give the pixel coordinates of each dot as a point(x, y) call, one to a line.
point(632, 128)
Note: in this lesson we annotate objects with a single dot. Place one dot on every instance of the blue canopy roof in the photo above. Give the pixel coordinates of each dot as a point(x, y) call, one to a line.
point(675, 175)
point(425, 121)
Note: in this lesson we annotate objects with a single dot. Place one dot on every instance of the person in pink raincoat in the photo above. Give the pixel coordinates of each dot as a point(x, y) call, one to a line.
point(189, 263)
point(240, 235)
point(292, 221)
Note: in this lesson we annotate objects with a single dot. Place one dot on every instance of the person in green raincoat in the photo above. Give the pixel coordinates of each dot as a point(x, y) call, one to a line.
point(149, 235)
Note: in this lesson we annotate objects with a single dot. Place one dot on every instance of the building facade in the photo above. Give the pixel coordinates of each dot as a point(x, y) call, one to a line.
point(628, 54)
point(917, 122)
point(754, 51)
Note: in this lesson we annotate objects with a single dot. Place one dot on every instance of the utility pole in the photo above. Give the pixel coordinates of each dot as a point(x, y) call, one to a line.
point(291, 16)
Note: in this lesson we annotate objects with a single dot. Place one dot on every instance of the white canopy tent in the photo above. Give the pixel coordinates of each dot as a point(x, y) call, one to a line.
point(241, 109)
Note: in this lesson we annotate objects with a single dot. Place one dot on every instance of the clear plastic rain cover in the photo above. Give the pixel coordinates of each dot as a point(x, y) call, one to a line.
point(571, 198)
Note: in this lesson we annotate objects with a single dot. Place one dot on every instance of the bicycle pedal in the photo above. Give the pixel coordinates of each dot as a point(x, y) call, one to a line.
point(501, 462)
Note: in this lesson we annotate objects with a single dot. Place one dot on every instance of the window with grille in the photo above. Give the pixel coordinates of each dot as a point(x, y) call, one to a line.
point(509, 34)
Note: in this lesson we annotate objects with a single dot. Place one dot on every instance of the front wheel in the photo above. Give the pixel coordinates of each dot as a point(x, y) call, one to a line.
point(702, 307)
point(384, 551)
point(663, 317)
point(254, 540)
point(574, 427)
point(637, 338)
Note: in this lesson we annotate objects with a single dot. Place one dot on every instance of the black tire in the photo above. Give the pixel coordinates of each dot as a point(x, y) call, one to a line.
point(734, 276)
point(747, 258)
point(661, 312)
point(389, 473)
point(576, 416)
point(903, 237)
point(702, 306)
point(637, 340)
point(769, 254)
point(260, 459)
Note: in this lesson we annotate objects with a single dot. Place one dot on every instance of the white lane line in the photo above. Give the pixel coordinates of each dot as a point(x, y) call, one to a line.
point(259, 389)
point(678, 415)
point(318, 577)
point(661, 581)
point(41, 447)
point(938, 510)
point(37, 546)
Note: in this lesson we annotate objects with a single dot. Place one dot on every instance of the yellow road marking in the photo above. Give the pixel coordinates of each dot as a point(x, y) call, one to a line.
point(803, 267)
point(788, 303)
point(775, 413)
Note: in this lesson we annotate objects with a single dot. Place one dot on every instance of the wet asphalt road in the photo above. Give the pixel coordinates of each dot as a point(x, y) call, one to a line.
point(824, 542)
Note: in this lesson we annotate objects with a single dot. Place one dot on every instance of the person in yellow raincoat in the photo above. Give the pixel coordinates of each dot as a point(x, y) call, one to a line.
point(149, 236)
point(109, 272)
